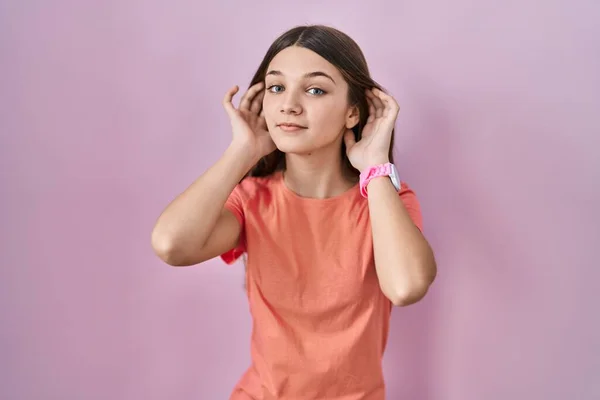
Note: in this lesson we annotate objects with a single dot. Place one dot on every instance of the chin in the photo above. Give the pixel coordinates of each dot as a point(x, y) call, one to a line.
point(293, 145)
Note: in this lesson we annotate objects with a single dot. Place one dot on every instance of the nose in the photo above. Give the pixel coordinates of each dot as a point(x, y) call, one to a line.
point(290, 103)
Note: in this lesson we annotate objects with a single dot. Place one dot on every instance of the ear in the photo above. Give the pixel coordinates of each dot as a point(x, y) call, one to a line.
point(352, 117)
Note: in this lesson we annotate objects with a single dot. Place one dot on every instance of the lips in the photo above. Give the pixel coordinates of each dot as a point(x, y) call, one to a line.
point(290, 125)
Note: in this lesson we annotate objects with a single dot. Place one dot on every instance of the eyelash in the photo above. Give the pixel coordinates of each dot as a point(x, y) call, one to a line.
point(314, 88)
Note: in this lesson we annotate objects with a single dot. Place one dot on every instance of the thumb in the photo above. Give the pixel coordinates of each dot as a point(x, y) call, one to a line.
point(349, 139)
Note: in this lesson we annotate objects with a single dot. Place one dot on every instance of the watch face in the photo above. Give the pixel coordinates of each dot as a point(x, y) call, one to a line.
point(395, 178)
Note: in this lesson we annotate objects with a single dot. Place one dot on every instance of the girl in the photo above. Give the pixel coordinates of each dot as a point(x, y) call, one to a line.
point(307, 190)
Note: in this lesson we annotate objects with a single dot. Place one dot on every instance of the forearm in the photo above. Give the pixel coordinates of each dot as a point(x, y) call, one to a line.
point(190, 218)
point(403, 259)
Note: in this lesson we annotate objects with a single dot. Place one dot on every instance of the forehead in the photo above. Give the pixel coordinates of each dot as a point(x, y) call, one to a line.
point(296, 61)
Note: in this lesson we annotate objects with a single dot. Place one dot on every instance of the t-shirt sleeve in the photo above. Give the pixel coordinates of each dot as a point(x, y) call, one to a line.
point(235, 204)
point(411, 203)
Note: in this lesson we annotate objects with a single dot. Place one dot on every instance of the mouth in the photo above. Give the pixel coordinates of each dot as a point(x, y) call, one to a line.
point(290, 127)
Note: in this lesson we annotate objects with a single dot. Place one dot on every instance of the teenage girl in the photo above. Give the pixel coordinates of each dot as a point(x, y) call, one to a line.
point(307, 191)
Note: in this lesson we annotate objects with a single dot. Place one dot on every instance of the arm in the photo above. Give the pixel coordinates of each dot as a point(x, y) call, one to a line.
point(403, 259)
point(195, 226)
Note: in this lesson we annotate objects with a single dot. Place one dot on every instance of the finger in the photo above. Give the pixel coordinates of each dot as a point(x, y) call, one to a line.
point(263, 123)
point(379, 106)
point(371, 109)
point(262, 120)
point(256, 105)
point(246, 101)
point(349, 139)
point(227, 104)
point(391, 106)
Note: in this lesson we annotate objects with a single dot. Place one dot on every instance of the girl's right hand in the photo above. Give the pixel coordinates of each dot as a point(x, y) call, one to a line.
point(247, 122)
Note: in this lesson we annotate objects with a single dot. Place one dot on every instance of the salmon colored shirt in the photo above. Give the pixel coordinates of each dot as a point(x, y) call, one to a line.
point(320, 319)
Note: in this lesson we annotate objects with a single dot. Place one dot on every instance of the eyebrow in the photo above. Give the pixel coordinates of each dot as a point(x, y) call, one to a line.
point(308, 75)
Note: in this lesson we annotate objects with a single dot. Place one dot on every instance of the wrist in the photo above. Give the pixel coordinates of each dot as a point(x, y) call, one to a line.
point(377, 170)
point(239, 154)
point(379, 182)
point(372, 162)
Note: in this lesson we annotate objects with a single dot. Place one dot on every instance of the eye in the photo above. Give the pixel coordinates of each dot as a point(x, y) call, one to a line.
point(273, 87)
point(319, 92)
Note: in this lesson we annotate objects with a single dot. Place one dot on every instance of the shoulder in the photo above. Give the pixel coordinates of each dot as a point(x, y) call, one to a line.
point(259, 183)
point(253, 187)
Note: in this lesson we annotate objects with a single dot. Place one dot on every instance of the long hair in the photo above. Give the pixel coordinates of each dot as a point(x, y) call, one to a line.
point(345, 54)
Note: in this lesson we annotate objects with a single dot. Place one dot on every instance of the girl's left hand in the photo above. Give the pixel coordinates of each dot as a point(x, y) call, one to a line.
point(374, 145)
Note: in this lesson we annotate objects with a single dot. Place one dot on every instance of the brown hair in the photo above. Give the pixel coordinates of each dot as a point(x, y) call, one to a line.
point(345, 54)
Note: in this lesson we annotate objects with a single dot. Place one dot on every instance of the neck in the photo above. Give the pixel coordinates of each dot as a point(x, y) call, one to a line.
point(317, 175)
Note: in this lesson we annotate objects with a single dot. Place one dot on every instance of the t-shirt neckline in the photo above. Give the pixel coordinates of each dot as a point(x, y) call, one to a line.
point(313, 200)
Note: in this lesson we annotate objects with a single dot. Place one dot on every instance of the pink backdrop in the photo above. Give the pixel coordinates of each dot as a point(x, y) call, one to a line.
point(108, 109)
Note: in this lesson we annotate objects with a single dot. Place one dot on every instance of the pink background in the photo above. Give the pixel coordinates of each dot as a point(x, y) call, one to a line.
point(109, 109)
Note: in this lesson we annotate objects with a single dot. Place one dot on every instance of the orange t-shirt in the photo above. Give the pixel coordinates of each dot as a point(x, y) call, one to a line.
point(320, 319)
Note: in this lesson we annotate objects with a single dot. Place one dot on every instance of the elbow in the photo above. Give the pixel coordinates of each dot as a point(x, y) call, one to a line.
point(405, 295)
point(403, 298)
point(165, 248)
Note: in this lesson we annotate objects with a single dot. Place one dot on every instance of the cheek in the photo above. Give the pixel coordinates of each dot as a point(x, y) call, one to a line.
point(269, 111)
point(329, 118)
point(323, 115)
